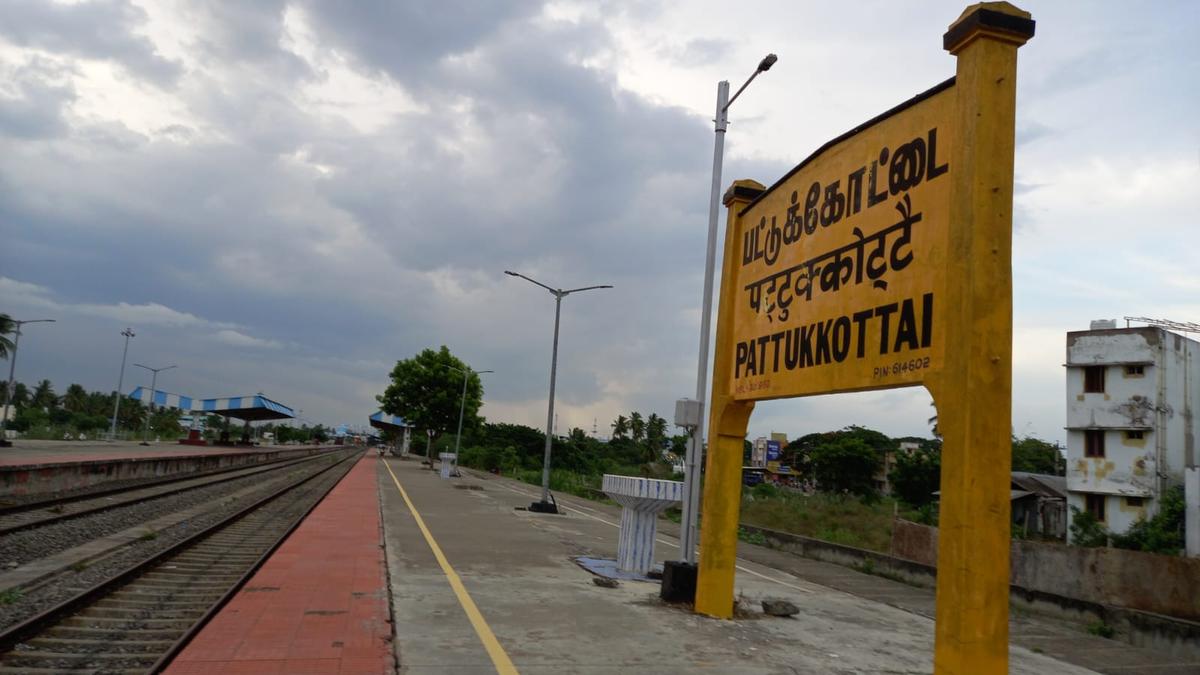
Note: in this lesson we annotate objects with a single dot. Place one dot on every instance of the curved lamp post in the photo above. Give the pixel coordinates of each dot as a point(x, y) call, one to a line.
point(691, 481)
point(463, 404)
point(545, 506)
point(112, 432)
point(153, 384)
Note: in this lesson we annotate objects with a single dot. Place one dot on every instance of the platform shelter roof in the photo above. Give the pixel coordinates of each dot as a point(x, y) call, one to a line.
point(382, 420)
point(250, 408)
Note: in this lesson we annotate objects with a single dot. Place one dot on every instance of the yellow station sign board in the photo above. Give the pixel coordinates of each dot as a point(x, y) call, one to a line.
point(840, 265)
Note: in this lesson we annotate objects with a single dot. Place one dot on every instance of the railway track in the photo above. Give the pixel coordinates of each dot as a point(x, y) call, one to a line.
point(38, 514)
point(138, 619)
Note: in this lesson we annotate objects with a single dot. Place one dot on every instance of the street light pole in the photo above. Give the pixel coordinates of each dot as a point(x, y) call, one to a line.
point(691, 491)
point(12, 368)
point(153, 384)
point(128, 333)
point(545, 506)
point(463, 404)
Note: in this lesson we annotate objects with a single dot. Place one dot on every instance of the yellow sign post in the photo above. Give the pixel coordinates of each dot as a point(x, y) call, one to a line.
point(884, 260)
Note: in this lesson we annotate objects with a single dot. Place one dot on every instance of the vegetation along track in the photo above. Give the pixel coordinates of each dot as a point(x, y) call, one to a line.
point(137, 620)
point(27, 516)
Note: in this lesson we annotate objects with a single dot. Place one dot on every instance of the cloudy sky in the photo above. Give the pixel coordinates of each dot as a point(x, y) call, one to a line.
point(287, 197)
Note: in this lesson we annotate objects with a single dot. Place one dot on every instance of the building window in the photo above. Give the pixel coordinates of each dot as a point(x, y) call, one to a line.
point(1095, 506)
point(1093, 379)
point(1135, 370)
point(1134, 435)
point(1093, 443)
point(1134, 502)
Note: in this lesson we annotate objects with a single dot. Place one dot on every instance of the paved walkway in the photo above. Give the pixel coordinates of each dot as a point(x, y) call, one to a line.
point(319, 605)
point(480, 585)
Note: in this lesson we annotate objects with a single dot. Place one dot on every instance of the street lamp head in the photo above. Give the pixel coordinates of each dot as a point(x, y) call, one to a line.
point(768, 61)
point(128, 332)
point(511, 274)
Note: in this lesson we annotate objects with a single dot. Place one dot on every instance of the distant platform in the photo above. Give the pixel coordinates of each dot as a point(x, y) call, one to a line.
point(32, 468)
point(37, 453)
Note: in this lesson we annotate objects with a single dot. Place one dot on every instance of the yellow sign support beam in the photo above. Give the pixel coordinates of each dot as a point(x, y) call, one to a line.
point(808, 298)
point(973, 392)
point(728, 419)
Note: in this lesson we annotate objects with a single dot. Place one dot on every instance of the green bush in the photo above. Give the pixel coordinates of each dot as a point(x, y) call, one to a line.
point(764, 491)
point(1161, 534)
point(1086, 530)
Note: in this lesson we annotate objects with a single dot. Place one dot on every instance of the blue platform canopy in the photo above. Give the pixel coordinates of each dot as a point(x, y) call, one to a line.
point(382, 420)
point(251, 408)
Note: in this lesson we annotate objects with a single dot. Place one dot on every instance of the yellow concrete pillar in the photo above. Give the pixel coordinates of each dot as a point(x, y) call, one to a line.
point(974, 391)
point(728, 420)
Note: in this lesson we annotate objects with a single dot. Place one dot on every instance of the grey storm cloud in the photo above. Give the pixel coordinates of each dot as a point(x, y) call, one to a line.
point(406, 39)
point(565, 174)
point(246, 195)
point(36, 110)
point(101, 29)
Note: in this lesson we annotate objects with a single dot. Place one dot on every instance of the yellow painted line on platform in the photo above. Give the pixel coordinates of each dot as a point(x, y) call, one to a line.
point(503, 664)
point(661, 541)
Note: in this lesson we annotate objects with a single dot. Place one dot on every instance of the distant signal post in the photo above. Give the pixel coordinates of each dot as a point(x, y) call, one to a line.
point(882, 261)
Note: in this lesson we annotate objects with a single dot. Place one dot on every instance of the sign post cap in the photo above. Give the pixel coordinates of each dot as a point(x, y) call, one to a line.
point(998, 20)
point(743, 190)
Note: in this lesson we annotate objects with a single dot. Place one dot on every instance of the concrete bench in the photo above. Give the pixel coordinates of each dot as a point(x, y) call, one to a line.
point(641, 499)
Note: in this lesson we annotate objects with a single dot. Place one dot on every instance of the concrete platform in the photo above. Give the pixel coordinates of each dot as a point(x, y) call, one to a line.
point(41, 453)
point(479, 586)
point(319, 605)
point(36, 467)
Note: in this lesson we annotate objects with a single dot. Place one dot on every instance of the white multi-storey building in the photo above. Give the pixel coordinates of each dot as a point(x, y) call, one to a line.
point(1131, 429)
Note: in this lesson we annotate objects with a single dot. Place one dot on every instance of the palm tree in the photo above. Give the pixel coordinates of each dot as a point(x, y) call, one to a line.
point(637, 427)
point(656, 431)
point(99, 403)
point(620, 427)
point(43, 395)
point(20, 397)
point(7, 327)
point(76, 399)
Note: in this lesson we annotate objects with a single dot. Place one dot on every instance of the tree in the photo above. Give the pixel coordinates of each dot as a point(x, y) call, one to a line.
point(99, 403)
point(7, 327)
point(637, 427)
point(165, 422)
point(846, 464)
point(132, 415)
point(76, 399)
point(426, 390)
point(320, 434)
point(1034, 455)
point(917, 475)
point(656, 431)
point(620, 427)
point(44, 396)
point(800, 451)
point(679, 443)
point(20, 396)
